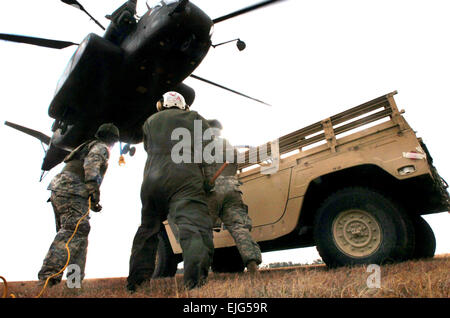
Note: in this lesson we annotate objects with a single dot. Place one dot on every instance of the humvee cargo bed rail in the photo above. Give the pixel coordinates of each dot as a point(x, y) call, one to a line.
point(307, 136)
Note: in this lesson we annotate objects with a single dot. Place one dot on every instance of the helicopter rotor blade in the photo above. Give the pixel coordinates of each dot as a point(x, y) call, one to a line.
point(76, 4)
point(228, 89)
point(244, 10)
point(53, 44)
point(73, 3)
point(34, 133)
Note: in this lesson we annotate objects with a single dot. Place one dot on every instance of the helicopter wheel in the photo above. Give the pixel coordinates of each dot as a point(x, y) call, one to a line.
point(126, 149)
point(59, 124)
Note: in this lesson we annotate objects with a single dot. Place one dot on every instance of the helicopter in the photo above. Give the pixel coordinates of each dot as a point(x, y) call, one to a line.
point(116, 78)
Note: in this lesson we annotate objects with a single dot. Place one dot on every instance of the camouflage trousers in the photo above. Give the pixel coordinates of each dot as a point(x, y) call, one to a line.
point(68, 210)
point(226, 205)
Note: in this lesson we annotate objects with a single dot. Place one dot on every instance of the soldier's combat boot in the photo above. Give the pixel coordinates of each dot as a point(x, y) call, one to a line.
point(133, 284)
point(51, 282)
point(252, 267)
point(131, 288)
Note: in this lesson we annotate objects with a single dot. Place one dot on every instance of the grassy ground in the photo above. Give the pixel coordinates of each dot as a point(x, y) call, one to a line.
point(418, 279)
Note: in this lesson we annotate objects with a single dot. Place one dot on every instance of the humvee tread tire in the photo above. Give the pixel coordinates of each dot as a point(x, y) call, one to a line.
point(361, 226)
point(425, 246)
point(166, 260)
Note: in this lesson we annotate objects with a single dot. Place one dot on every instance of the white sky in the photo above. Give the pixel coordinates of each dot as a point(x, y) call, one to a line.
point(309, 59)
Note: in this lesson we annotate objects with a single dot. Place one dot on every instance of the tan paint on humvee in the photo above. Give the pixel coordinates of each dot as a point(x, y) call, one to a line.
point(276, 200)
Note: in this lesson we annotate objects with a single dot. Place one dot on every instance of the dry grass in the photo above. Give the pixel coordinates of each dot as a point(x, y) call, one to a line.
point(413, 279)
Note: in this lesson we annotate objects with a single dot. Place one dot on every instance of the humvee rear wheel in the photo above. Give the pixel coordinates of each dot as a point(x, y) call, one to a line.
point(361, 226)
point(166, 260)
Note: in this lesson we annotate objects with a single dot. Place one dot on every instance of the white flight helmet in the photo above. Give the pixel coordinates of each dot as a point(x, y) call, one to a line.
point(171, 99)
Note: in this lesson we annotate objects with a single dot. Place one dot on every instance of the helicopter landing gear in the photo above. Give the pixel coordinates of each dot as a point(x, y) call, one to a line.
point(59, 124)
point(239, 44)
point(128, 149)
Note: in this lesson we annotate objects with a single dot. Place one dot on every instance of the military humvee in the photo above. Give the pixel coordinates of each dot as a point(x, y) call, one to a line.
point(357, 193)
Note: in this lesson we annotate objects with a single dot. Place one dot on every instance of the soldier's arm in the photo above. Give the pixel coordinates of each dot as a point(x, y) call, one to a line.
point(230, 153)
point(144, 139)
point(207, 168)
point(205, 126)
point(146, 133)
point(96, 163)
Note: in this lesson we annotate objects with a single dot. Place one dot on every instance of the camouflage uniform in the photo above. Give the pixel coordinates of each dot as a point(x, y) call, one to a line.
point(69, 198)
point(174, 191)
point(225, 203)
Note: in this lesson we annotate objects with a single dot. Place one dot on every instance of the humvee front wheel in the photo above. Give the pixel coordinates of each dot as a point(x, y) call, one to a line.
point(425, 240)
point(361, 226)
point(357, 232)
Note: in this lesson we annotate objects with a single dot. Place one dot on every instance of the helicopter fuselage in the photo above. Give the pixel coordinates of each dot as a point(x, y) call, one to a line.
point(119, 79)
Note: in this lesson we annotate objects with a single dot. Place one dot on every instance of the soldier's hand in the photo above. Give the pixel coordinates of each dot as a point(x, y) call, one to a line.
point(93, 192)
point(96, 207)
point(207, 186)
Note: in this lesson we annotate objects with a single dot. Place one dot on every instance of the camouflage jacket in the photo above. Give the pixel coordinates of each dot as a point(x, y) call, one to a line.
point(226, 184)
point(221, 151)
point(86, 163)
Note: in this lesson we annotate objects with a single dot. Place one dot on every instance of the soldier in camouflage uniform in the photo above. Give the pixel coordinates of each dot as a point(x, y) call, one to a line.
point(226, 204)
point(173, 191)
point(71, 189)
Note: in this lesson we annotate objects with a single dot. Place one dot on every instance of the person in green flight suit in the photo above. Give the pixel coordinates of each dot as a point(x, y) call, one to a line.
point(173, 189)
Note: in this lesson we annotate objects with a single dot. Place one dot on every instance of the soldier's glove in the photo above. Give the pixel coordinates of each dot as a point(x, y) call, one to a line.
point(207, 186)
point(94, 193)
point(96, 207)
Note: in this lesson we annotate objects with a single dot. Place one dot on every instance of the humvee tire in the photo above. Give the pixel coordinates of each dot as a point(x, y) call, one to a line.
point(425, 246)
point(361, 226)
point(166, 260)
point(227, 260)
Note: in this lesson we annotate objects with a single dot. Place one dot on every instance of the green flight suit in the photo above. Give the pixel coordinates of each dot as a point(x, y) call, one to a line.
point(173, 191)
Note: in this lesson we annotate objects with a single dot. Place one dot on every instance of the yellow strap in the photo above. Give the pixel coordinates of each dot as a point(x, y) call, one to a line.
point(5, 288)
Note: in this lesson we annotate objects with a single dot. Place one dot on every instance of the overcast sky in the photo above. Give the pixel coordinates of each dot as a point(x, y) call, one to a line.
point(309, 59)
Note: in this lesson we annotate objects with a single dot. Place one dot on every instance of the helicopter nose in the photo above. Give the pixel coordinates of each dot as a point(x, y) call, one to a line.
point(181, 6)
